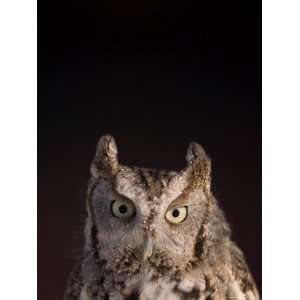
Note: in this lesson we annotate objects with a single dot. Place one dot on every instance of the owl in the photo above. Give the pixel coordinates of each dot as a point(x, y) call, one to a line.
point(156, 235)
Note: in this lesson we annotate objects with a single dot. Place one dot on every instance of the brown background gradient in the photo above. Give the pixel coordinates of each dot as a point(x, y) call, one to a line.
point(156, 75)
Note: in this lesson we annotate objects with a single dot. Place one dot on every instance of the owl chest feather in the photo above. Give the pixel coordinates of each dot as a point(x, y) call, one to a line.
point(149, 289)
point(171, 289)
point(147, 286)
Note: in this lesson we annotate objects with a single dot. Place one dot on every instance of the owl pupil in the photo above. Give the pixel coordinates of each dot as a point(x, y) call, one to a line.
point(175, 213)
point(122, 209)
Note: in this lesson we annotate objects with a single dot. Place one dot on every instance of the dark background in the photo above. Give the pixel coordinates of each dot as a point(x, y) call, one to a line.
point(156, 75)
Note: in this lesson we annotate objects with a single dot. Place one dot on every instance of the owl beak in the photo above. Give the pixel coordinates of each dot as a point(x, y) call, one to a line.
point(148, 248)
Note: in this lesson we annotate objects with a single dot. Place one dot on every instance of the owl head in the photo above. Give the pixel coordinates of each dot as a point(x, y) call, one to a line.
point(141, 217)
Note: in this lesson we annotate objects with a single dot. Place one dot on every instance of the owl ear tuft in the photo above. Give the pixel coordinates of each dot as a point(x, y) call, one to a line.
point(195, 152)
point(105, 163)
point(199, 165)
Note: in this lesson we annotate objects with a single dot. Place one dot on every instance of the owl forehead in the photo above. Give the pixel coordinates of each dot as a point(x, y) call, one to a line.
point(144, 183)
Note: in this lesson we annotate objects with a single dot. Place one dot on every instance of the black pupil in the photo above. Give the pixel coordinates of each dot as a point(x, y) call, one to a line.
point(122, 209)
point(175, 213)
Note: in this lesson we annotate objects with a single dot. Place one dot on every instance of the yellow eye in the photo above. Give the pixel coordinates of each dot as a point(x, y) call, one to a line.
point(177, 215)
point(122, 209)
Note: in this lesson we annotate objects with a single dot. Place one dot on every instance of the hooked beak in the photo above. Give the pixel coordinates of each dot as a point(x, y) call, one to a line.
point(148, 248)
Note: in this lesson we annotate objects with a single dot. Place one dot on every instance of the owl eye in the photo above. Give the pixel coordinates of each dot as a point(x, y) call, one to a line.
point(122, 209)
point(177, 215)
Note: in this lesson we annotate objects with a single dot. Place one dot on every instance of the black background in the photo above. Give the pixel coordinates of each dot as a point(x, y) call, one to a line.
point(156, 75)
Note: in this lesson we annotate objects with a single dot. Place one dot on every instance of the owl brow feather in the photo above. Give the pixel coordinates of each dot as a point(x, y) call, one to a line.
point(179, 201)
point(142, 177)
point(183, 198)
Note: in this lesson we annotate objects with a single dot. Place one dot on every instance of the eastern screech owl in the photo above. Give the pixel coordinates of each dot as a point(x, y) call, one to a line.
point(156, 235)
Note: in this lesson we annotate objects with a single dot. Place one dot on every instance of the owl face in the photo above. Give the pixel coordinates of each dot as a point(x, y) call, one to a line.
point(147, 217)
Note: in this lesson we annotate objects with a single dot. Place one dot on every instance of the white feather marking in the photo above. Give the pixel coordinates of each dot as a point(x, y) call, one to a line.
point(84, 295)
